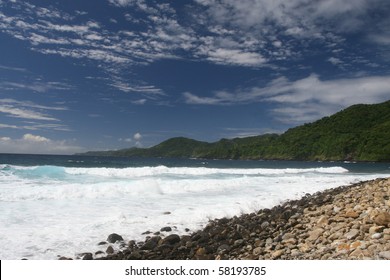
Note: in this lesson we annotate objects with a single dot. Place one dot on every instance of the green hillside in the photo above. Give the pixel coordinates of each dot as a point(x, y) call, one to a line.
point(359, 133)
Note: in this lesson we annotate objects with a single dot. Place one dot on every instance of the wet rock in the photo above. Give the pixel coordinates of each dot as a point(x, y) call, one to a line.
point(86, 256)
point(151, 243)
point(113, 237)
point(110, 250)
point(171, 239)
point(166, 229)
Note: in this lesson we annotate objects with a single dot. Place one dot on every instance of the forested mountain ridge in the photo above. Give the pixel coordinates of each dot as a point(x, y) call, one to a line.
point(358, 133)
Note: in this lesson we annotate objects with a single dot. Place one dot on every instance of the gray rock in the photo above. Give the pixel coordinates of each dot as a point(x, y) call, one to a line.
point(385, 255)
point(376, 235)
point(352, 234)
point(288, 236)
point(264, 225)
point(224, 248)
point(257, 251)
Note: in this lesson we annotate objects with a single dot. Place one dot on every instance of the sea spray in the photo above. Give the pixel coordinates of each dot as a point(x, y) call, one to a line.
point(54, 206)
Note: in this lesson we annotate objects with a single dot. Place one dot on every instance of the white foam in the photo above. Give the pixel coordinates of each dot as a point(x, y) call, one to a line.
point(188, 171)
point(50, 211)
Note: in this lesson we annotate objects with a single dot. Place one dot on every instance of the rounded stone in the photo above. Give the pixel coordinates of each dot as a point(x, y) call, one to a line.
point(112, 238)
point(376, 235)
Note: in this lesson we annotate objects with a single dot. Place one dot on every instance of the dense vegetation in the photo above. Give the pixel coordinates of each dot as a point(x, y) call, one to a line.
point(360, 133)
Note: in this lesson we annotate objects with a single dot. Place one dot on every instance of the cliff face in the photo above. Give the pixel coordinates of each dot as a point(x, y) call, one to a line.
point(358, 133)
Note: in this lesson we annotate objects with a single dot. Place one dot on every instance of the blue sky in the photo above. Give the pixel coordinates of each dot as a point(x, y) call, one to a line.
point(110, 74)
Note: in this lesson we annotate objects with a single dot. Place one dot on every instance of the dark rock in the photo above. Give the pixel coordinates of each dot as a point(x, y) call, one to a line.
point(102, 243)
point(151, 243)
point(224, 248)
point(61, 258)
point(112, 238)
point(165, 248)
point(146, 232)
point(167, 229)
point(171, 239)
point(110, 250)
point(86, 256)
point(134, 256)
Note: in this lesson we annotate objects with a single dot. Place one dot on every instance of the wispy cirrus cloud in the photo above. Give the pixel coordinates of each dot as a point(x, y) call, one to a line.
point(247, 33)
point(37, 86)
point(303, 100)
point(32, 115)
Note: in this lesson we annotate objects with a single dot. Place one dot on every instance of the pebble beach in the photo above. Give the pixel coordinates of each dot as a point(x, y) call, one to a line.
point(344, 223)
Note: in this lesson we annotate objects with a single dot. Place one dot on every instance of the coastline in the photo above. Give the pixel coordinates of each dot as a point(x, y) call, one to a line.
point(347, 222)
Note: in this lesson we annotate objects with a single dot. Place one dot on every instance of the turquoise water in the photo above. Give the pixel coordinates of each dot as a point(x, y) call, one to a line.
point(62, 205)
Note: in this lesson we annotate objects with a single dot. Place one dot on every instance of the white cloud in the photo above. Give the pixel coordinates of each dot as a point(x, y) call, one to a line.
point(239, 33)
point(37, 144)
point(144, 89)
point(137, 136)
point(236, 57)
point(335, 61)
point(11, 111)
point(27, 110)
point(34, 138)
point(18, 69)
point(125, 2)
point(140, 101)
point(306, 99)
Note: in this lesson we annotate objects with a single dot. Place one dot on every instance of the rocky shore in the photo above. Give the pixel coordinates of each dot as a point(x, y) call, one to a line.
point(348, 222)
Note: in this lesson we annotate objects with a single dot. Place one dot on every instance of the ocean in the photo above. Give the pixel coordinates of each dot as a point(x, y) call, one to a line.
point(55, 206)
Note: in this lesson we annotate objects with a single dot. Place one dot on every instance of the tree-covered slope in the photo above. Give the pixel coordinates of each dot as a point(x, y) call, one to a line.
point(360, 132)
